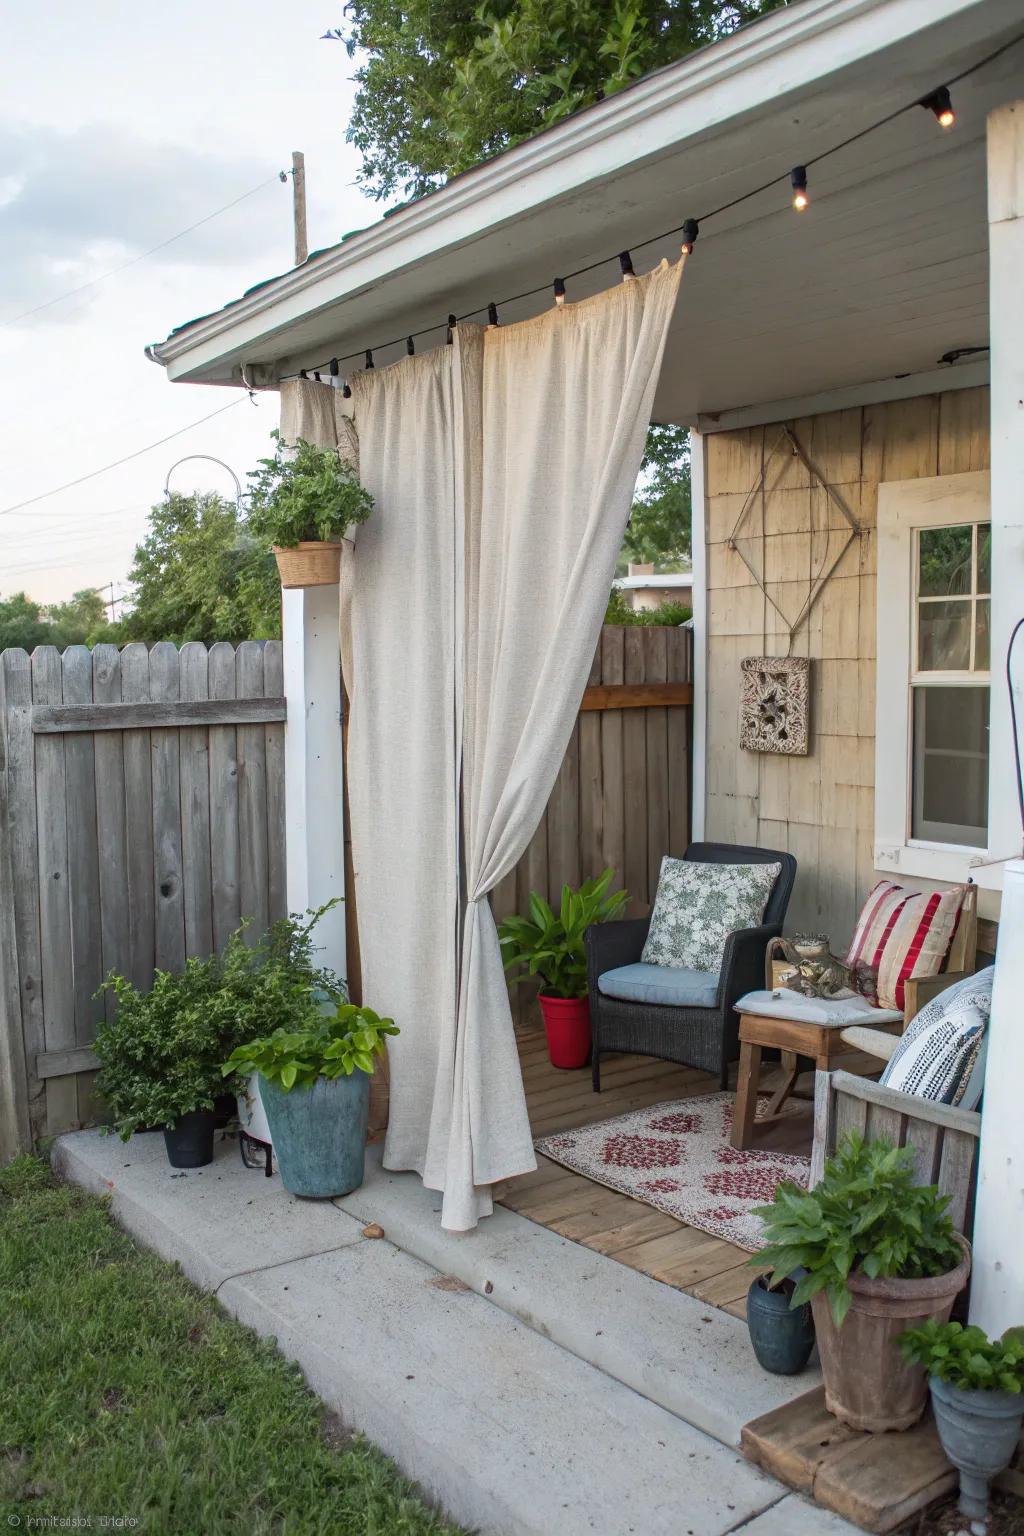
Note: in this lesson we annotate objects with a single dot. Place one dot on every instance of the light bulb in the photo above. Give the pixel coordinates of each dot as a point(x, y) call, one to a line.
point(798, 176)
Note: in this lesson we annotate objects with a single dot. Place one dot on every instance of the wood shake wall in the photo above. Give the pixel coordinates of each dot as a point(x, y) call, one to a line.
point(820, 807)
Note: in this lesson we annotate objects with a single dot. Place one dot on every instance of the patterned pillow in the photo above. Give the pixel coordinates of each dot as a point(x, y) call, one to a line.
point(903, 933)
point(699, 905)
point(937, 1056)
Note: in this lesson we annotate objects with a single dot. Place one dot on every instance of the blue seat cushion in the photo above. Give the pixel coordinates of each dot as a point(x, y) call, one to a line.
point(670, 985)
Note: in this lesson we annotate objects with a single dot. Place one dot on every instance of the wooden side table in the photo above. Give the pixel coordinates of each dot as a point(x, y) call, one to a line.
point(794, 1038)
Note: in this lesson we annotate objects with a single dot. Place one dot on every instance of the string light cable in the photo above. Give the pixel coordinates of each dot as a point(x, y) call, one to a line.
point(937, 101)
point(132, 261)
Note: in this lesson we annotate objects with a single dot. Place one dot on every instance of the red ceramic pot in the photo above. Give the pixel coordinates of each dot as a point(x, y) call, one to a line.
point(567, 1026)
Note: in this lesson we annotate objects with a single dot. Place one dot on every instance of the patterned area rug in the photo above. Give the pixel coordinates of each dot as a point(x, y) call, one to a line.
point(677, 1157)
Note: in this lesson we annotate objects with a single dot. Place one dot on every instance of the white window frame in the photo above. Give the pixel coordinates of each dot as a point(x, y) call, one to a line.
point(904, 507)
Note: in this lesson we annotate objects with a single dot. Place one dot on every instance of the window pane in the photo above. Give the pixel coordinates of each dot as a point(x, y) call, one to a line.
point(944, 561)
point(950, 788)
point(981, 635)
point(984, 557)
point(944, 636)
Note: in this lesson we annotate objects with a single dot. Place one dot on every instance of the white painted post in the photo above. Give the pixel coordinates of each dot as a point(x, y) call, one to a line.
point(699, 600)
point(997, 1289)
point(313, 762)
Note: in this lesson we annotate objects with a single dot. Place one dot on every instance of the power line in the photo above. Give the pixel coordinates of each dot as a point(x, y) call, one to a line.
point(133, 260)
point(684, 227)
point(70, 484)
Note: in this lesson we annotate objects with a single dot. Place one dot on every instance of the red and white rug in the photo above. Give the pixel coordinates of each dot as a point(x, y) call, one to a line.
point(677, 1157)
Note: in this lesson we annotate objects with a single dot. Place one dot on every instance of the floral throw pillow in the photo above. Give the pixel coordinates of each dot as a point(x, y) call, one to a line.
point(699, 905)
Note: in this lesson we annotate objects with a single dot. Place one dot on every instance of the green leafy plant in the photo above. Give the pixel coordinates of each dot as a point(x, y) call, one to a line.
point(305, 493)
point(161, 1051)
point(550, 945)
point(967, 1357)
point(325, 1045)
point(867, 1214)
point(669, 612)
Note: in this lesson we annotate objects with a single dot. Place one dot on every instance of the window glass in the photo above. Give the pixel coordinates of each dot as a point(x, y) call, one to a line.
point(944, 561)
point(944, 636)
point(950, 777)
point(984, 557)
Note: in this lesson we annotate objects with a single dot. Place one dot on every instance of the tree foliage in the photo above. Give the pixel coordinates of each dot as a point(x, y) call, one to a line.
point(199, 574)
point(82, 620)
point(659, 523)
point(444, 84)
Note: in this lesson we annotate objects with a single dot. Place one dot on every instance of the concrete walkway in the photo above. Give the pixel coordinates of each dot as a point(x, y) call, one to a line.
point(509, 1431)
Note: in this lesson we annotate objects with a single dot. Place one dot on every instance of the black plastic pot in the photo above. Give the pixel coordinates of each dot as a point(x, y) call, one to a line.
point(190, 1142)
point(782, 1338)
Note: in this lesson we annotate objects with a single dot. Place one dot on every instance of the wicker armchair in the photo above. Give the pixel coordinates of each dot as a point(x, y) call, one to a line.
point(707, 1038)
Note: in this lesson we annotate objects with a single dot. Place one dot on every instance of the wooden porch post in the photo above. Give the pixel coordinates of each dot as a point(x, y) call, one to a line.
point(998, 1282)
point(314, 816)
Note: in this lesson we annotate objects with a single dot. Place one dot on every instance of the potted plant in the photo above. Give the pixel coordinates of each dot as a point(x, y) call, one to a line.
point(977, 1388)
point(314, 1081)
point(880, 1255)
point(551, 946)
point(301, 502)
point(160, 1054)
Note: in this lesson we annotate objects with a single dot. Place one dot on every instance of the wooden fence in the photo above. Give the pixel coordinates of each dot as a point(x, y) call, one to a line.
point(622, 797)
point(141, 817)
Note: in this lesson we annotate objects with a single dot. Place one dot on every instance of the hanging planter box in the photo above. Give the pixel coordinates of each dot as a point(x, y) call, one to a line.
point(309, 564)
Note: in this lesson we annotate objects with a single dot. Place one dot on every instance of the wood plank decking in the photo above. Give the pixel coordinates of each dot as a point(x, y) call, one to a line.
point(709, 1268)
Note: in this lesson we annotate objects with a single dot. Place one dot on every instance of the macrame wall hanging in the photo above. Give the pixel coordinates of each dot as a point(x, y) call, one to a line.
point(775, 690)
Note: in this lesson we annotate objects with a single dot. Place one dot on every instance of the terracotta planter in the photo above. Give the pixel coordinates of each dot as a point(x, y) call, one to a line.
point(309, 564)
point(868, 1383)
point(567, 1026)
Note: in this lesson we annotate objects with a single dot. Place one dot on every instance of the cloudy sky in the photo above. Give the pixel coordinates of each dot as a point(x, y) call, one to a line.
point(120, 126)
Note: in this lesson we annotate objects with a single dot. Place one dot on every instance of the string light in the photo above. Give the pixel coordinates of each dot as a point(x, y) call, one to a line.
point(334, 367)
point(940, 104)
point(369, 358)
point(346, 390)
point(798, 176)
point(626, 264)
point(410, 346)
point(450, 332)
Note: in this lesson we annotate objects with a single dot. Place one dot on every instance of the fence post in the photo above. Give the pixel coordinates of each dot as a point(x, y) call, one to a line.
point(314, 817)
point(15, 1129)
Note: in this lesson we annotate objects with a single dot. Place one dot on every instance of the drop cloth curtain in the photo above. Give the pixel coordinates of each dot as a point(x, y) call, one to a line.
point(503, 469)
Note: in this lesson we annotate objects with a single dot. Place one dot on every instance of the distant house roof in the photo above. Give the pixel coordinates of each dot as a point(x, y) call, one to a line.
point(666, 579)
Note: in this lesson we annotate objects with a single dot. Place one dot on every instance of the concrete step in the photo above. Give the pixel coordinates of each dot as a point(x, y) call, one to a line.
point(687, 1356)
point(507, 1431)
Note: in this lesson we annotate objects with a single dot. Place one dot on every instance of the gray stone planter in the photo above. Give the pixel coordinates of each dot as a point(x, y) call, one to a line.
point(319, 1134)
point(979, 1433)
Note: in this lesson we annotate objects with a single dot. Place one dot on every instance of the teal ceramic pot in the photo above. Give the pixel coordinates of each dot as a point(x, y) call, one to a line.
point(319, 1134)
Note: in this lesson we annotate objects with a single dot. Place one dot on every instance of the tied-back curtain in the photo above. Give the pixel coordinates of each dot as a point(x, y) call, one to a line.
point(502, 468)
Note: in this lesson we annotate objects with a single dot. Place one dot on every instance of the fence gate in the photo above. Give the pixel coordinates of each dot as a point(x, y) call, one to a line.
point(141, 817)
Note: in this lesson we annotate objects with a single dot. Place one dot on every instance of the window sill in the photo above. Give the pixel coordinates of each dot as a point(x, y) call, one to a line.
point(955, 865)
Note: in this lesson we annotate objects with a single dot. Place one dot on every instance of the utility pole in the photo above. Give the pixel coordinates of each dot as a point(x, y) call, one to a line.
point(299, 205)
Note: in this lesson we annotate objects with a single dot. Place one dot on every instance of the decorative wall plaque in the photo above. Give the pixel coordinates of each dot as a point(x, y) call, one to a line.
point(773, 704)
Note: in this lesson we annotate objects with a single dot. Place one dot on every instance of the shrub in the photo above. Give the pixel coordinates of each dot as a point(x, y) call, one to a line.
point(669, 612)
point(867, 1214)
point(161, 1053)
point(305, 493)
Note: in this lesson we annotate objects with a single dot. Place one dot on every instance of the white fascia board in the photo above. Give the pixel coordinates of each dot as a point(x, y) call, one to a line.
point(784, 52)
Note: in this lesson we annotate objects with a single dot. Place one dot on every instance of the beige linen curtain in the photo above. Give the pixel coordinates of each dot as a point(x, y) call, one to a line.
point(503, 469)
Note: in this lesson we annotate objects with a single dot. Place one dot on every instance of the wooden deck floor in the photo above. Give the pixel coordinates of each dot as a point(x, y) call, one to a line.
point(628, 1230)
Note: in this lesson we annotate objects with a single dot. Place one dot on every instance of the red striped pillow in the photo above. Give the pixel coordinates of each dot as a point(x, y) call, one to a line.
point(903, 933)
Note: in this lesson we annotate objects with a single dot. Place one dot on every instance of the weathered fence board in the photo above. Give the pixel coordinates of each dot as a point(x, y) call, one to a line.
point(122, 797)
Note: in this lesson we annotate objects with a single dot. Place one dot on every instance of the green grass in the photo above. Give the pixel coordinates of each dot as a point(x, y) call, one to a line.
point(124, 1391)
